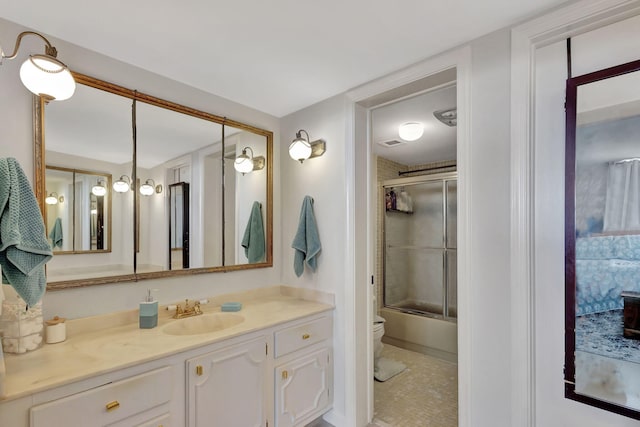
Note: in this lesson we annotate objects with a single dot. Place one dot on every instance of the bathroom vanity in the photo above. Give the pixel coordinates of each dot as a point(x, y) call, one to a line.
point(273, 368)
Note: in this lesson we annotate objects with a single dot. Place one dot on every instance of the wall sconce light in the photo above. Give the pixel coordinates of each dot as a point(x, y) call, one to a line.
point(245, 164)
point(149, 187)
point(410, 131)
point(99, 189)
point(122, 185)
point(44, 75)
point(301, 149)
point(54, 199)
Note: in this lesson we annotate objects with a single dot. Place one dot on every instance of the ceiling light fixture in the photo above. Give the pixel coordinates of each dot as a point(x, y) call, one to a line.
point(247, 164)
point(44, 75)
point(411, 131)
point(301, 149)
point(122, 185)
point(99, 189)
point(448, 116)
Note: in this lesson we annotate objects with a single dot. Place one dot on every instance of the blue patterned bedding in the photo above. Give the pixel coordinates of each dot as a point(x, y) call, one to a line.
point(606, 266)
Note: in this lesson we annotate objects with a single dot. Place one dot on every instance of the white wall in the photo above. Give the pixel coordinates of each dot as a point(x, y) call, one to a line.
point(325, 179)
point(488, 176)
point(602, 48)
point(17, 141)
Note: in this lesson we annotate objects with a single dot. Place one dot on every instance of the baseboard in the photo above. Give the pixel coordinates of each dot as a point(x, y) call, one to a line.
point(334, 418)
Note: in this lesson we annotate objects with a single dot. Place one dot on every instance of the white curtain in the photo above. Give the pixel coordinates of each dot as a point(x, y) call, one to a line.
point(622, 206)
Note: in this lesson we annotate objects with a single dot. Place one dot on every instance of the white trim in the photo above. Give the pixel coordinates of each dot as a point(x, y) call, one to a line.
point(461, 60)
point(525, 39)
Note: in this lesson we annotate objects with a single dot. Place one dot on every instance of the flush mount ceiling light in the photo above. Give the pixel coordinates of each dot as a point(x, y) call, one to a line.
point(411, 131)
point(44, 75)
point(53, 199)
point(247, 164)
point(99, 189)
point(301, 149)
point(122, 185)
point(149, 187)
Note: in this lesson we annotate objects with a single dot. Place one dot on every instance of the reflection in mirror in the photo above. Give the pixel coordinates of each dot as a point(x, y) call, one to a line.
point(79, 221)
point(91, 130)
point(178, 226)
point(603, 239)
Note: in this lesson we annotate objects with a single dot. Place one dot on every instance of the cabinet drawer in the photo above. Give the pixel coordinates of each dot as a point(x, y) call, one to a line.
point(107, 404)
point(297, 337)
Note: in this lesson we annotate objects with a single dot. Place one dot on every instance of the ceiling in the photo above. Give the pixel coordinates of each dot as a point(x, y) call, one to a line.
point(437, 143)
point(275, 56)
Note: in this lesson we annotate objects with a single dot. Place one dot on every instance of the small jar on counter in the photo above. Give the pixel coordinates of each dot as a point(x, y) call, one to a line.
point(56, 330)
point(21, 327)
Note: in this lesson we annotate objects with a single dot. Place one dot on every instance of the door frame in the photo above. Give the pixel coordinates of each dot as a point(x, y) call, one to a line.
point(362, 196)
point(558, 25)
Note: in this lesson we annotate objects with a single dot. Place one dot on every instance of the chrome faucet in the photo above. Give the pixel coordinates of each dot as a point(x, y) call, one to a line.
point(187, 310)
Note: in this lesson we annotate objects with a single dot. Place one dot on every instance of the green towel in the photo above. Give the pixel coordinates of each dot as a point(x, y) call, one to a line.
point(56, 234)
point(24, 248)
point(307, 240)
point(253, 240)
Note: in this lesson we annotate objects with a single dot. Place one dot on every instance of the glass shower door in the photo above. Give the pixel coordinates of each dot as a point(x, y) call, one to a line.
point(420, 247)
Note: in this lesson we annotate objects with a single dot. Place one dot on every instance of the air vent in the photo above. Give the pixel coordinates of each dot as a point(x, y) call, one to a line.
point(449, 116)
point(391, 143)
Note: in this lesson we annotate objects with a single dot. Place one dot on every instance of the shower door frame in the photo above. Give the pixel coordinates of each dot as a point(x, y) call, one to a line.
point(422, 179)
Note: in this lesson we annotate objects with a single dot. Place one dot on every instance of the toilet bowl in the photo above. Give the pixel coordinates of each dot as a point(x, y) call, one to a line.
point(378, 332)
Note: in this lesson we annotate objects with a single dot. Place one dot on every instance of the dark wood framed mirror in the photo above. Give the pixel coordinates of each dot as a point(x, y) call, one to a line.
point(151, 143)
point(602, 239)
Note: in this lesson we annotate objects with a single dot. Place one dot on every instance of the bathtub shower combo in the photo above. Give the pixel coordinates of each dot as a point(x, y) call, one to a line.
point(420, 284)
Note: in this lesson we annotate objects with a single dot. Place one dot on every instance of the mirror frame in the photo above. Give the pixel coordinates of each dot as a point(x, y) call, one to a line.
point(39, 165)
point(570, 235)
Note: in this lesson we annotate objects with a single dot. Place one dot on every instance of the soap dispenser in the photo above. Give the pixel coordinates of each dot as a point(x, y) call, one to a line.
point(148, 312)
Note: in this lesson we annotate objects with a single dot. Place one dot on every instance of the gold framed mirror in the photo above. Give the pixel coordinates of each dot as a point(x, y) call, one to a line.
point(147, 144)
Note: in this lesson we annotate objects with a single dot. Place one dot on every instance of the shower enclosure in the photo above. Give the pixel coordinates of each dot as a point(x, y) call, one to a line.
point(420, 245)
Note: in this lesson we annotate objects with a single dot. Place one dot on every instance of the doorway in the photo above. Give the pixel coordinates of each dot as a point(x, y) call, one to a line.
point(415, 305)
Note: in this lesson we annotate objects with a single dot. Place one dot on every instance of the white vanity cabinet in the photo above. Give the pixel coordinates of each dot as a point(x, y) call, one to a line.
point(228, 387)
point(303, 372)
point(136, 401)
point(278, 375)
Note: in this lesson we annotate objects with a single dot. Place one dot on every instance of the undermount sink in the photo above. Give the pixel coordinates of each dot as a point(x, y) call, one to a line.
point(203, 324)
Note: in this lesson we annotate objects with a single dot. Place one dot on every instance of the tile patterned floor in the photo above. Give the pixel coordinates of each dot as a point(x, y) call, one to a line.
point(424, 395)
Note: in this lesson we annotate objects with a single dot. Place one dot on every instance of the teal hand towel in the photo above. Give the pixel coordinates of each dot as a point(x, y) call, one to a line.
point(307, 240)
point(56, 234)
point(253, 240)
point(24, 248)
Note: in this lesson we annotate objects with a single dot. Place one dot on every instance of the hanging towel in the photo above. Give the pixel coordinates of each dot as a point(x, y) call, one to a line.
point(253, 240)
point(56, 234)
point(307, 240)
point(24, 249)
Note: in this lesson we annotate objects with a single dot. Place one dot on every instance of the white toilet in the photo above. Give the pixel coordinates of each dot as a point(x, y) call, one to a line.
point(378, 332)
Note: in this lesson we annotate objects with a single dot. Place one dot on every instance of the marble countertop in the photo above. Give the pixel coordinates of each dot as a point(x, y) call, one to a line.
point(101, 344)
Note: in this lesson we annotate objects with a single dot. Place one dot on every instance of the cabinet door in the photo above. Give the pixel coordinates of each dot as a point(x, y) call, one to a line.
point(227, 387)
point(302, 388)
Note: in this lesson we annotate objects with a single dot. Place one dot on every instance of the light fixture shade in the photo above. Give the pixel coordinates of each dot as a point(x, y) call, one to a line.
point(243, 164)
point(411, 131)
point(300, 149)
point(99, 189)
point(52, 199)
point(46, 76)
point(147, 188)
point(122, 185)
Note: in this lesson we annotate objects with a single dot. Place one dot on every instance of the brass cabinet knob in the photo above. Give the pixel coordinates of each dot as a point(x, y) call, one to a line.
point(199, 370)
point(113, 405)
point(285, 375)
point(306, 336)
